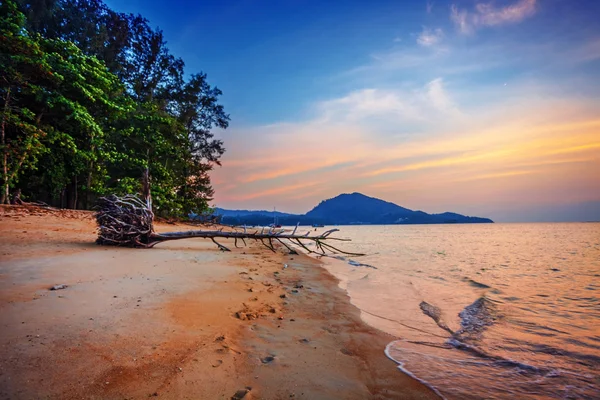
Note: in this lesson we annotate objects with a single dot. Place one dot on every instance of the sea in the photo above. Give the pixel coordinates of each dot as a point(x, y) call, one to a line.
point(482, 311)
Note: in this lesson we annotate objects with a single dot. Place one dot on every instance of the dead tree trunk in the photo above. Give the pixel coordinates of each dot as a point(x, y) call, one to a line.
point(127, 221)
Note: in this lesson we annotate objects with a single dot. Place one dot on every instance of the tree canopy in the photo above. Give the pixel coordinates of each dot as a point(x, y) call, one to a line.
point(92, 101)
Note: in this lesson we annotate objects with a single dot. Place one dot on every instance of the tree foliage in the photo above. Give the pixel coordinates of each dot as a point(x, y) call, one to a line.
point(92, 100)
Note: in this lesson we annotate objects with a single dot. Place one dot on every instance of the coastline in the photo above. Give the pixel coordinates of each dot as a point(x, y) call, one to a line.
point(182, 320)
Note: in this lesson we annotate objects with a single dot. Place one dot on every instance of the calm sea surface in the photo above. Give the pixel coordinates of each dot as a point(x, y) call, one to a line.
point(489, 311)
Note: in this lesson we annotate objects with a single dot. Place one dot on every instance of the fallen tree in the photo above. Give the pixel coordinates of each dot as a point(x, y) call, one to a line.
point(128, 221)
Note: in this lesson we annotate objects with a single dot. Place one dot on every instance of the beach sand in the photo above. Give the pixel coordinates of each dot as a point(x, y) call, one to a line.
point(180, 321)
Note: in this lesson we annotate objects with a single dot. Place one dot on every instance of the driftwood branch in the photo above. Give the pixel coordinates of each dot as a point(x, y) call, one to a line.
point(127, 221)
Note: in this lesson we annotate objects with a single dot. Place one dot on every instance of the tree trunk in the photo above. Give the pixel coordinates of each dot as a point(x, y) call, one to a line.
point(146, 194)
point(4, 197)
point(88, 186)
point(17, 197)
point(62, 198)
point(75, 194)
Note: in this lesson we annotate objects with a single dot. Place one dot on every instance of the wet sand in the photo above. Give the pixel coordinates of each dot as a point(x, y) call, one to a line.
point(181, 320)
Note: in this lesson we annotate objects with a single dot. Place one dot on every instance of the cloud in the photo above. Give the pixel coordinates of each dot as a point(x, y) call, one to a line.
point(399, 105)
point(429, 7)
point(430, 37)
point(487, 15)
point(439, 97)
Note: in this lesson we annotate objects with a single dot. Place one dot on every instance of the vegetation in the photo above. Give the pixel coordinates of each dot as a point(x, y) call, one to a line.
point(92, 101)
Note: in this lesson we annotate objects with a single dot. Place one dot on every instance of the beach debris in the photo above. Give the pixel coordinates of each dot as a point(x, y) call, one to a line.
point(240, 394)
point(304, 340)
point(285, 266)
point(59, 287)
point(246, 315)
point(129, 221)
point(220, 338)
point(217, 363)
point(267, 359)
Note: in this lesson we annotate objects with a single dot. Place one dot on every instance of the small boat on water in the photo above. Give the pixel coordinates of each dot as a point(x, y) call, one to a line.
point(318, 225)
point(275, 223)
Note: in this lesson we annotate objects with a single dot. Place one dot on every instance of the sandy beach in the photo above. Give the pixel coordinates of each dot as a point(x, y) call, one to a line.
point(181, 320)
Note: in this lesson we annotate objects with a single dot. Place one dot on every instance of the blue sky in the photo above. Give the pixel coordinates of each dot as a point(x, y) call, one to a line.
point(480, 107)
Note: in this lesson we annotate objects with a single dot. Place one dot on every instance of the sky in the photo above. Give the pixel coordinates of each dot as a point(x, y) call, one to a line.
point(487, 108)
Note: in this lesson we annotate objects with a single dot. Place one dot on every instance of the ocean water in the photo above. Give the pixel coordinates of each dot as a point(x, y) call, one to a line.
point(490, 311)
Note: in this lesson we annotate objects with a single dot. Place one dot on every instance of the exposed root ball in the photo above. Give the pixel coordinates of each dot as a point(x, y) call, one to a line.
point(124, 221)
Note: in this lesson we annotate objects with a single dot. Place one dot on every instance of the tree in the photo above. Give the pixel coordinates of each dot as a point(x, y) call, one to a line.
point(56, 100)
point(99, 132)
point(24, 71)
point(198, 110)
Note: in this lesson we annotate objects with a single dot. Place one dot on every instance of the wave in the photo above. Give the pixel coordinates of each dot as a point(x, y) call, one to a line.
point(475, 318)
point(523, 377)
point(402, 368)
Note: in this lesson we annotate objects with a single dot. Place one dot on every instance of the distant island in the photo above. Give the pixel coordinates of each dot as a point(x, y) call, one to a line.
point(347, 209)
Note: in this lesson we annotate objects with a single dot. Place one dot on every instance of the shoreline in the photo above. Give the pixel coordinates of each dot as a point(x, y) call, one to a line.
point(182, 320)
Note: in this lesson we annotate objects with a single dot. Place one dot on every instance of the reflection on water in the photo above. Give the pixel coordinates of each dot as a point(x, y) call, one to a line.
point(484, 311)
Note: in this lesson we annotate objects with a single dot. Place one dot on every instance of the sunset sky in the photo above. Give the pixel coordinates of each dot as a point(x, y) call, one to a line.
point(483, 108)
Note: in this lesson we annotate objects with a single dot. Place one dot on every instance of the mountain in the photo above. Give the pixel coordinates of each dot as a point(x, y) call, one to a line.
point(358, 208)
point(348, 209)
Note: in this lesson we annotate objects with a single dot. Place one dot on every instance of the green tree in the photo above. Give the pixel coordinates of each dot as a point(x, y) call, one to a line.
point(55, 100)
point(24, 71)
point(99, 134)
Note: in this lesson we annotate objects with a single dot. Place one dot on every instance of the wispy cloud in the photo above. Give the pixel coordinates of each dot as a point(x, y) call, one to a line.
point(487, 15)
point(391, 105)
point(430, 37)
point(429, 6)
point(439, 97)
